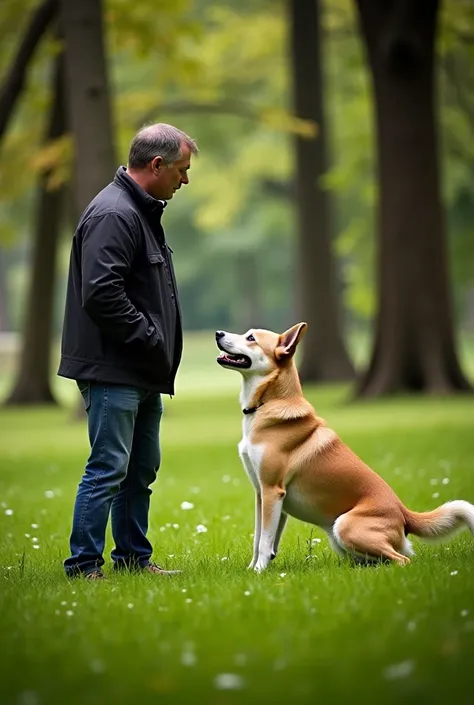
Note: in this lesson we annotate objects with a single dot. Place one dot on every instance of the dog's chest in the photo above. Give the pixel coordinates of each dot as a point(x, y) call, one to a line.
point(251, 453)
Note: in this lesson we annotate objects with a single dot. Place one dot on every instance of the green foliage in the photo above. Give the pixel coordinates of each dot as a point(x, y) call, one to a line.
point(221, 72)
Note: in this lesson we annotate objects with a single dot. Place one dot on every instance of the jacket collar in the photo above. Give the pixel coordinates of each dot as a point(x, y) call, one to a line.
point(143, 199)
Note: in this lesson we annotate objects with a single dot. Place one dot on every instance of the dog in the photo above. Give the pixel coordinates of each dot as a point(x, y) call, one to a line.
point(300, 467)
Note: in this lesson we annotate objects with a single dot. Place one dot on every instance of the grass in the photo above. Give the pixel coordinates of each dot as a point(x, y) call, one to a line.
point(311, 629)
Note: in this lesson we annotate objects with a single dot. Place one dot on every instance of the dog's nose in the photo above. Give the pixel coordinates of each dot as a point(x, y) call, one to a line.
point(219, 334)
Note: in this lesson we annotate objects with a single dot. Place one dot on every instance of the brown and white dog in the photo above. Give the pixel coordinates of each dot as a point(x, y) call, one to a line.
point(300, 467)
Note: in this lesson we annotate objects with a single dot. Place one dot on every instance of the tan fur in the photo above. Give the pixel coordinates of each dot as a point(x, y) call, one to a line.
point(308, 472)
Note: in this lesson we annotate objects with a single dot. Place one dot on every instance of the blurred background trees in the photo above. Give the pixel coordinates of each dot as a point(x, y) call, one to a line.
point(334, 182)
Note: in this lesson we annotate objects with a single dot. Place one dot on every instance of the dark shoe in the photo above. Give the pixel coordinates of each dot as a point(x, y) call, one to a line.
point(94, 575)
point(157, 570)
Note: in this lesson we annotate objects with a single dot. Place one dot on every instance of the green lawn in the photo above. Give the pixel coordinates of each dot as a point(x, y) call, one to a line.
point(312, 629)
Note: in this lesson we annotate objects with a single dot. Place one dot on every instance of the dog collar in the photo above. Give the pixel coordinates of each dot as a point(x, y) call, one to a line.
point(251, 409)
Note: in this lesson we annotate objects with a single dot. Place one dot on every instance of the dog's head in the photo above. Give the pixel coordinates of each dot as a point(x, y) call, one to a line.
point(258, 352)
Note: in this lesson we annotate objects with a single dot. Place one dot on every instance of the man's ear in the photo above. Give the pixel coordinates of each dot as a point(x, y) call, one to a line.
point(156, 163)
point(289, 340)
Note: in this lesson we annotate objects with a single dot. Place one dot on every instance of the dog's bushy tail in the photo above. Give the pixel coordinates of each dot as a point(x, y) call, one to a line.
point(442, 522)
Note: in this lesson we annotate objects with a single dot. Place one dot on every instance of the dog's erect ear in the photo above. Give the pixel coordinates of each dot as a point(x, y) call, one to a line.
point(289, 340)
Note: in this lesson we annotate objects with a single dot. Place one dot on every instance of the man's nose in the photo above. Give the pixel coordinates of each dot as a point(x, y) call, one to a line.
point(219, 334)
point(185, 179)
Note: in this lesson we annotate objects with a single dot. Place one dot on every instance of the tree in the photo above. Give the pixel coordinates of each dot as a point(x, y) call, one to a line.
point(414, 346)
point(324, 355)
point(32, 385)
point(13, 85)
point(88, 98)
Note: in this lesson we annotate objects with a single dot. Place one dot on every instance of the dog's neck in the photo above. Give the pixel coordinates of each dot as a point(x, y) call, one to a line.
point(282, 384)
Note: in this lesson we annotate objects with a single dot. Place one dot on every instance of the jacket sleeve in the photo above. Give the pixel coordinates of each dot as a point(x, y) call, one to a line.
point(107, 252)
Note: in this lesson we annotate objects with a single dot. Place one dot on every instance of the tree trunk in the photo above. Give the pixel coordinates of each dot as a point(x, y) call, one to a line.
point(14, 82)
point(249, 311)
point(89, 109)
point(87, 94)
point(414, 347)
point(33, 381)
point(324, 356)
point(5, 324)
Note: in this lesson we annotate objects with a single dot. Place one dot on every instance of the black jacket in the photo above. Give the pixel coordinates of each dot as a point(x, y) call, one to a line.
point(122, 319)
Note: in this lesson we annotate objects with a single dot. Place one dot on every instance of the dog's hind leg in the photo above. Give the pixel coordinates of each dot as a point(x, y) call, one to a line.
point(360, 536)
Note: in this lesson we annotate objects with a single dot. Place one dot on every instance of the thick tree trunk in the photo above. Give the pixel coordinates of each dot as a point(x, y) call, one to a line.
point(414, 345)
point(33, 381)
point(88, 99)
point(324, 355)
point(15, 79)
point(248, 313)
point(87, 94)
point(5, 325)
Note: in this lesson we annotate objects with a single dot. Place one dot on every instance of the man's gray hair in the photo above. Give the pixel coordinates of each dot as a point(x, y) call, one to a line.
point(158, 140)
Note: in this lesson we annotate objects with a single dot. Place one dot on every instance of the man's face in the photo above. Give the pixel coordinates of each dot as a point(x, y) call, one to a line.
point(168, 178)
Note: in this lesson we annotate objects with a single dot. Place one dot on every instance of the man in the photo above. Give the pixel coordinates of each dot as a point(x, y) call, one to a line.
point(122, 343)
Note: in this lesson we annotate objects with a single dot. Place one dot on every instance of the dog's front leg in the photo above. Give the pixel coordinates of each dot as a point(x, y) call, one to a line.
point(258, 529)
point(281, 528)
point(272, 504)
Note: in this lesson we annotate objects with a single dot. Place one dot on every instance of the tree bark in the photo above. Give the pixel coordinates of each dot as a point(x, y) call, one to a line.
point(13, 85)
point(88, 99)
point(414, 348)
point(32, 385)
point(324, 356)
point(89, 108)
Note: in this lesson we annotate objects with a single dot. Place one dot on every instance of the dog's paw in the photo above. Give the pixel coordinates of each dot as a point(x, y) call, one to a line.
point(273, 556)
point(261, 564)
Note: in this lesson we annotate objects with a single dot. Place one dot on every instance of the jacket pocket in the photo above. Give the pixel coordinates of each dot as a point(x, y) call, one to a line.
point(161, 351)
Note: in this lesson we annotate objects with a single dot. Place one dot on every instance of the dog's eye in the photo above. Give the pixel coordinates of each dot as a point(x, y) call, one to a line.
point(250, 338)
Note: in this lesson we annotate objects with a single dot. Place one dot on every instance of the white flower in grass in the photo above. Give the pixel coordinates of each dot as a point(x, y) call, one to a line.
point(188, 658)
point(226, 478)
point(201, 529)
point(445, 480)
point(63, 603)
point(69, 613)
point(224, 558)
point(9, 512)
point(130, 606)
point(399, 670)
point(49, 494)
point(162, 528)
point(27, 536)
point(435, 495)
point(28, 697)
point(464, 613)
point(175, 526)
point(411, 626)
point(195, 490)
point(34, 539)
point(35, 526)
point(226, 517)
point(188, 600)
point(187, 505)
point(36, 545)
point(74, 604)
point(97, 666)
point(247, 593)
point(315, 541)
point(228, 681)
point(282, 575)
point(454, 572)
point(170, 555)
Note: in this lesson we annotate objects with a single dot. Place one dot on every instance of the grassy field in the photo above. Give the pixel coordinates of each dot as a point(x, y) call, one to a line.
point(311, 629)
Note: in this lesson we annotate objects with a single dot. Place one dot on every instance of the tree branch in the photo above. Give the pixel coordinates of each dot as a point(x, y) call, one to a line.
point(14, 82)
point(232, 108)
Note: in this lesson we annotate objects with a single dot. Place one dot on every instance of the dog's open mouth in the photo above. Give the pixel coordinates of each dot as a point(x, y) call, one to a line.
point(230, 360)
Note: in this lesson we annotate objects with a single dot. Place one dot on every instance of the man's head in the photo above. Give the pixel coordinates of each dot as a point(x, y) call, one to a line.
point(159, 159)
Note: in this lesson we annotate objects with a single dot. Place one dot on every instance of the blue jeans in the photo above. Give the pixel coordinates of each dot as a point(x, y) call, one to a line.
point(123, 424)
